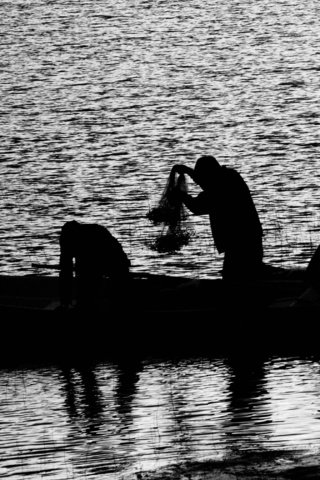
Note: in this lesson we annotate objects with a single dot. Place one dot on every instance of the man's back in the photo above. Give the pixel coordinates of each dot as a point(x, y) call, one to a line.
point(96, 253)
point(94, 248)
point(233, 215)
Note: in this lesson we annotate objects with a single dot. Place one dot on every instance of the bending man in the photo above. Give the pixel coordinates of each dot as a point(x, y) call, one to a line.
point(97, 254)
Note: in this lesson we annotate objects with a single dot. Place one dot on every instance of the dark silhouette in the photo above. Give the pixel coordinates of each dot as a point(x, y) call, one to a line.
point(235, 223)
point(97, 254)
point(310, 297)
point(84, 400)
point(128, 376)
point(312, 276)
point(249, 420)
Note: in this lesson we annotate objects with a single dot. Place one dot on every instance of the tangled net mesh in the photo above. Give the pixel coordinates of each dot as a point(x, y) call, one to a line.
point(171, 215)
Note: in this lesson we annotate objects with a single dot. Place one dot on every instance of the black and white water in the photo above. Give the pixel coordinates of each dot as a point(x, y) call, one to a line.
point(162, 419)
point(99, 99)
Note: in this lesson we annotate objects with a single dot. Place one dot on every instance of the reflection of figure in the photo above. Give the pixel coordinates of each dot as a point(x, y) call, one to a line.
point(247, 381)
point(128, 376)
point(248, 402)
point(97, 253)
point(83, 396)
point(235, 223)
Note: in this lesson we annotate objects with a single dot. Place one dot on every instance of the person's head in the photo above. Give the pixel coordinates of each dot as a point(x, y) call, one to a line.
point(70, 230)
point(205, 170)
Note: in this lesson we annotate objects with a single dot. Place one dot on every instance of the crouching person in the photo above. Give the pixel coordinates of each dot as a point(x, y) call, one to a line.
point(92, 253)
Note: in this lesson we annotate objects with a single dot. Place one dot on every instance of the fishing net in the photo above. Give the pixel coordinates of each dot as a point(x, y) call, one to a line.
point(171, 215)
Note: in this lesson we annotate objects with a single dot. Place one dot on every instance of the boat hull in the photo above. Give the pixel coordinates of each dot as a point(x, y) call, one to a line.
point(158, 317)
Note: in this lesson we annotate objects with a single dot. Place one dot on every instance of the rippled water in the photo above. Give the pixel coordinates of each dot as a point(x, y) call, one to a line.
point(99, 99)
point(116, 420)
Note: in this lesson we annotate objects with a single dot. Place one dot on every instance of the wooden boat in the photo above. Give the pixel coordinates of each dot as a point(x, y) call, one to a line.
point(156, 316)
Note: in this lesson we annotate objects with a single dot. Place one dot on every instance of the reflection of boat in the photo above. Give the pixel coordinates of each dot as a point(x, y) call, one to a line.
point(158, 315)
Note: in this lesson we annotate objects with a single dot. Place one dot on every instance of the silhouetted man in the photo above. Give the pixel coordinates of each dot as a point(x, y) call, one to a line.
point(234, 220)
point(96, 254)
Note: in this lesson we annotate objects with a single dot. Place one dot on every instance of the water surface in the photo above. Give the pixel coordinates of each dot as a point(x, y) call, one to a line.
point(100, 99)
point(118, 420)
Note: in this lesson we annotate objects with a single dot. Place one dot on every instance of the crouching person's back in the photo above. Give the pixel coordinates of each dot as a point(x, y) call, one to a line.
point(101, 266)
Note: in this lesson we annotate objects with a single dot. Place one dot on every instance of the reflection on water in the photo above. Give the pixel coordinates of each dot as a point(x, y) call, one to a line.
point(128, 377)
point(83, 399)
point(250, 416)
point(112, 420)
point(98, 403)
point(295, 400)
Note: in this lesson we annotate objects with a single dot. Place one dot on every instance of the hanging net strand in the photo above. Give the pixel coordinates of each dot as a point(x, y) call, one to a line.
point(171, 214)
